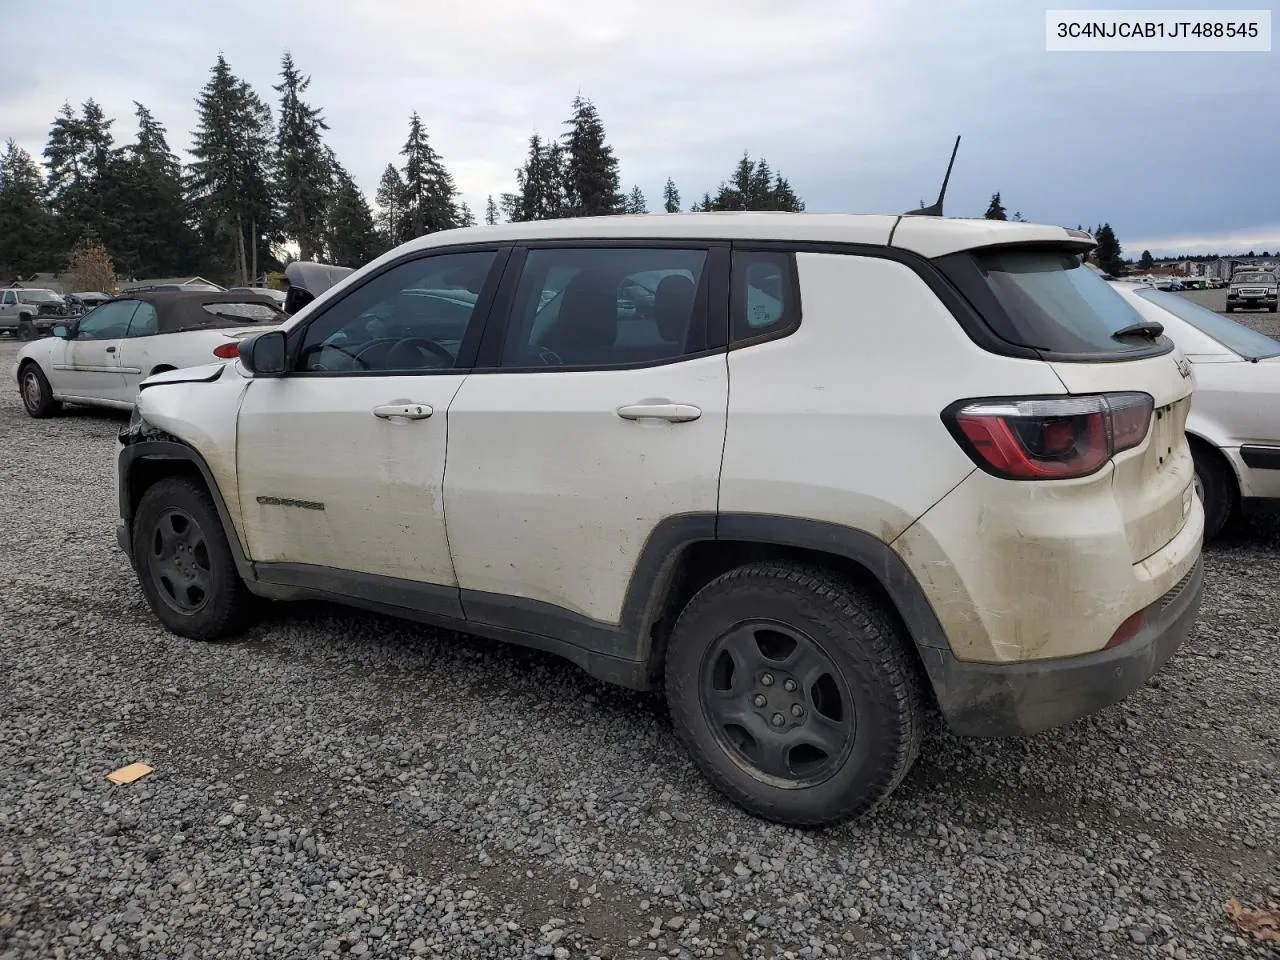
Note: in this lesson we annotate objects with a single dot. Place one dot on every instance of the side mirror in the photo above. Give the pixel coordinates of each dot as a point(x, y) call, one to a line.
point(63, 330)
point(263, 355)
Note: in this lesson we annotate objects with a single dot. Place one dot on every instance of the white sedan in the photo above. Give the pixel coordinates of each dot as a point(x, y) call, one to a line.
point(1234, 423)
point(101, 358)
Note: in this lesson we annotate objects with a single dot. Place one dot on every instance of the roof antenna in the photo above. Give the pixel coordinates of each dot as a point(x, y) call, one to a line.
point(936, 209)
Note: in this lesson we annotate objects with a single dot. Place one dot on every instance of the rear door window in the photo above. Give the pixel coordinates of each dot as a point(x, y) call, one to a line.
point(1048, 300)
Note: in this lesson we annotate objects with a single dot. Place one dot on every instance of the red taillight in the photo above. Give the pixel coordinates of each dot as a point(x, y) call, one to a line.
point(1053, 438)
point(227, 351)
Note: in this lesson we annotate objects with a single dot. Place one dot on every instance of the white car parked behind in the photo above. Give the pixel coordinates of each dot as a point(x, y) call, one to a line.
point(1234, 423)
point(101, 358)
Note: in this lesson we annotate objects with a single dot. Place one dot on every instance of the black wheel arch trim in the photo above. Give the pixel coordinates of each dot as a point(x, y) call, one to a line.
point(172, 449)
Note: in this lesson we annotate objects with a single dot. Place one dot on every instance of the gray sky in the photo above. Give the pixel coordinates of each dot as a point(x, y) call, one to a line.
point(857, 103)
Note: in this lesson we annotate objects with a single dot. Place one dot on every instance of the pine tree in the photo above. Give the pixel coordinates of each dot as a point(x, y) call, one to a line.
point(1146, 262)
point(350, 237)
point(754, 186)
point(1107, 253)
point(591, 169)
point(26, 227)
point(83, 179)
point(391, 202)
point(540, 184)
point(490, 211)
point(636, 202)
point(303, 174)
point(229, 181)
point(1018, 217)
point(670, 197)
point(465, 217)
point(156, 239)
point(995, 210)
point(430, 194)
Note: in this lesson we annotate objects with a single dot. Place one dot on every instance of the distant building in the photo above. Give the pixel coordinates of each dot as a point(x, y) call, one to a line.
point(42, 281)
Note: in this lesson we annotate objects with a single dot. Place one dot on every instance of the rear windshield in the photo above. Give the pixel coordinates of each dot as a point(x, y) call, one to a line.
point(1236, 337)
point(1052, 301)
point(38, 296)
point(245, 312)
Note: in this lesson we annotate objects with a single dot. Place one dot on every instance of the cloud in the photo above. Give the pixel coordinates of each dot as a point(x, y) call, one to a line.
point(856, 103)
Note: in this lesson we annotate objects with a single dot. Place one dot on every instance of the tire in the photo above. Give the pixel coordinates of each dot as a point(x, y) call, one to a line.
point(1230, 308)
point(37, 395)
point(196, 592)
point(1216, 488)
point(874, 738)
point(26, 329)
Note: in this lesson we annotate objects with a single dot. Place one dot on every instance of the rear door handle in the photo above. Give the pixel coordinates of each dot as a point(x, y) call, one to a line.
point(659, 410)
point(404, 411)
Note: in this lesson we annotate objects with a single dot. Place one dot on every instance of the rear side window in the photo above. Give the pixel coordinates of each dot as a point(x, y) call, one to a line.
point(607, 307)
point(1048, 300)
point(763, 300)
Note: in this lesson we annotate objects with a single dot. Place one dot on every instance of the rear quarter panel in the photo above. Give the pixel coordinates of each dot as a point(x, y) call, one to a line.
point(841, 420)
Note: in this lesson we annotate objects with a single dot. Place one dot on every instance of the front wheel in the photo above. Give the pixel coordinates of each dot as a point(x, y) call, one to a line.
point(794, 693)
point(37, 395)
point(184, 563)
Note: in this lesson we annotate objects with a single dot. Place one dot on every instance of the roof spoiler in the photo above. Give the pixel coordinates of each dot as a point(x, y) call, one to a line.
point(935, 209)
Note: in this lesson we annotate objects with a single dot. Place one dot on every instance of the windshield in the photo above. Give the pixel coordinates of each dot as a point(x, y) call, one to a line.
point(1053, 302)
point(1236, 337)
point(1254, 278)
point(38, 296)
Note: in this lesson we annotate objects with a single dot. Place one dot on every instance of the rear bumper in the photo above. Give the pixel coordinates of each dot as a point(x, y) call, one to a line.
point(1020, 699)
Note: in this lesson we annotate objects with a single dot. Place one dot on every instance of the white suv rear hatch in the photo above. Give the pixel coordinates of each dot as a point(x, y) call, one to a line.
point(1040, 296)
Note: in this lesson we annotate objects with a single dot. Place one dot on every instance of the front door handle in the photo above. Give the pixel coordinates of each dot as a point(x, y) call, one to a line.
point(111, 349)
point(660, 410)
point(403, 411)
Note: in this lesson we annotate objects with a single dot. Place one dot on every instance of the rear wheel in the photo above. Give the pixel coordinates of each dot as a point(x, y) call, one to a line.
point(184, 563)
point(1215, 487)
point(37, 395)
point(794, 693)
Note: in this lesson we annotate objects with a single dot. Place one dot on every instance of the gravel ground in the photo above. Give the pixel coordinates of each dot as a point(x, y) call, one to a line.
point(342, 784)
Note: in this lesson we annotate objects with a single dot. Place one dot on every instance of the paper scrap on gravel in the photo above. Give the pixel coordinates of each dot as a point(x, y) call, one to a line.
point(132, 772)
point(1263, 924)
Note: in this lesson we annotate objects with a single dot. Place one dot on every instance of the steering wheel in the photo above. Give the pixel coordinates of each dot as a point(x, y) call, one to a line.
point(420, 343)
point(549, 357)
point(316, 348)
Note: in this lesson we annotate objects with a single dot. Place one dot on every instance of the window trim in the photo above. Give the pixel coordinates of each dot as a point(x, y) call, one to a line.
point(128, 333)
point(793, 298)
point(471, 338)
point(123, 336)
point(714, 288)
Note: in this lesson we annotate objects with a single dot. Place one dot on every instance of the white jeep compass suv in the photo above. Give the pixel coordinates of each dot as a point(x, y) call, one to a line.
point(812, 475)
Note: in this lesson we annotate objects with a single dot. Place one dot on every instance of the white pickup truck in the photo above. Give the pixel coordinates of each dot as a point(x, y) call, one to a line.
point(29, 312)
